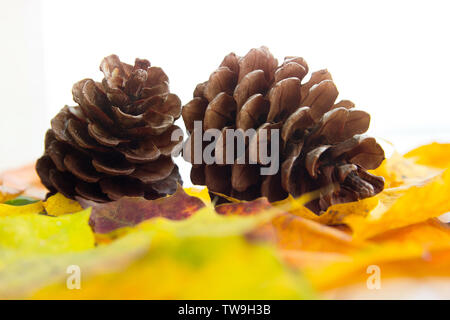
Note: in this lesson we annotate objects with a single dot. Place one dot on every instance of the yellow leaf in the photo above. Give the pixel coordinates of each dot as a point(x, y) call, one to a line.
point(193, 268)
point(58, 205)
point(296, 233)
point(201, 193)
point(335, 214)
point(24, 274)
point(398, 171)
point(429, 235)
point(435, 155)
point(9, 210)
point(296, 206)
point(33, 233)
point(422, 249)
point(204, 257)
point(403, 206)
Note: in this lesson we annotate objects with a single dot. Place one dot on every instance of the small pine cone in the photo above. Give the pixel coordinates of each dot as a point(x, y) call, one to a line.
point(117, 141)
point(320, 141)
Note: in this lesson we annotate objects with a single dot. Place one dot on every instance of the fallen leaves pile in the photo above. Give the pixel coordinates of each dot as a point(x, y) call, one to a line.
point(181, 247)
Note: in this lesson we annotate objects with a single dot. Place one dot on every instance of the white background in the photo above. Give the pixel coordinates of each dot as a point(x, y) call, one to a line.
point(390, 57)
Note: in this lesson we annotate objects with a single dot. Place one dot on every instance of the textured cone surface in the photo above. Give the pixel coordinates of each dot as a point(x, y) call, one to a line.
point(117, 140)
point(321, 146)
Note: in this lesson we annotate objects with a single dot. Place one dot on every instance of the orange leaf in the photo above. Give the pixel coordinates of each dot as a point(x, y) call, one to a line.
point(292, 232)
point(418, 250)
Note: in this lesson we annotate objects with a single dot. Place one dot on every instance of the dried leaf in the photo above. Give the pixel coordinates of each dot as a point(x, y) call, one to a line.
point(186, 268)
point(414, 251)
point(291, 232)
point(34, 233)
point(202, 194)
point(430, 235)
point(297, 233)
point(398, 171)
point(129, 211)
point(186, 256)
point(415, 194)
point(11, 210)
point(58, 205)
point(403, 206)
point(434, 155)
point(18, 280)
point(244, 208)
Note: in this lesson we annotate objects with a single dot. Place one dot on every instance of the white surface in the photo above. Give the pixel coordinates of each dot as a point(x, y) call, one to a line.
point(390, 57)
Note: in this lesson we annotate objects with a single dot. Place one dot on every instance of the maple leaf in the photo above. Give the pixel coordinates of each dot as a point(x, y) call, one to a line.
point(158, 258)
point(58, 204)
point(194, 264)
point(129, 211)
point(417, 250)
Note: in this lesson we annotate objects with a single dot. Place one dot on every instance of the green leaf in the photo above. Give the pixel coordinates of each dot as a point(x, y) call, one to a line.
point(21, 201)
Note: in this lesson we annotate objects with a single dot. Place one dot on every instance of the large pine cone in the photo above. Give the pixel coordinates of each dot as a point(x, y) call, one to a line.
point(117, 141)
point(321, 146)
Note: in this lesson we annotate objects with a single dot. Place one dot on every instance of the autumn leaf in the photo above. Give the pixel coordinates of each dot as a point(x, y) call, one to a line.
point(58, 204)
point(201, 193)
point(158, 258)
point(13, 210)
point(192, 267)
point(292, 232)
point(18, 280)
point(429, 235)
point(403, 206)
point(413, 251)
point(434, 155)
point(417, 193)
point(40, 233)
point(399, 170)
point(244, 208)
point(129, 211)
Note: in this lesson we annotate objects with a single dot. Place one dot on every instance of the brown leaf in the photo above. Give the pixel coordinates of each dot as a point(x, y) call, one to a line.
point(129, 211)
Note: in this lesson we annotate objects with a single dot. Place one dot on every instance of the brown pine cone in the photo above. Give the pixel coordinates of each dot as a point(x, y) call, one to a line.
point(320, 144)
point(117, 141)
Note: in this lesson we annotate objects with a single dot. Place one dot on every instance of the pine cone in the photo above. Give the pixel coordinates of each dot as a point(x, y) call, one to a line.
point(321, 146)
point(117, 141)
